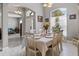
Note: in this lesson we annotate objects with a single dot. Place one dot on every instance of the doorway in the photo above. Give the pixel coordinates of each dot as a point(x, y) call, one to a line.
point(20, 28)
point(62, 20)
point(20, 20)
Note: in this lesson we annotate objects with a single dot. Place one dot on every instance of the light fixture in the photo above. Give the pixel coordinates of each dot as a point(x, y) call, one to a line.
point(18, 12)
point(29, 13)
point(32, 13)
point(20, 21)
point(47, 4)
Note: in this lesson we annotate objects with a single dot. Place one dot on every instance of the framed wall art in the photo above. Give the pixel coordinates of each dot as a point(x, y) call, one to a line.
point(40, 18)
point(72, 16)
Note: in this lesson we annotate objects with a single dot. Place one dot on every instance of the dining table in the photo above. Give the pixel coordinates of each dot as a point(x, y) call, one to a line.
point(43, 43)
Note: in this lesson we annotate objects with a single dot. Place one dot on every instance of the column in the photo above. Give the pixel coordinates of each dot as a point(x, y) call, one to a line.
point(5, 25)
point(23, 21)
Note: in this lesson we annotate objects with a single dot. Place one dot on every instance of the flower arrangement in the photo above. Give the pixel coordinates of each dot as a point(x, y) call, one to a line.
point(46, 26)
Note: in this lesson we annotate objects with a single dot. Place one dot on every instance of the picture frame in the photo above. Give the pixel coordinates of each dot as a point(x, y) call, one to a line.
point(46, 19)
point(40, 18)
point(73, 16)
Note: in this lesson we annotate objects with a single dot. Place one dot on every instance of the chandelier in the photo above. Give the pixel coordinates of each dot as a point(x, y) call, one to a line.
point(47, 4)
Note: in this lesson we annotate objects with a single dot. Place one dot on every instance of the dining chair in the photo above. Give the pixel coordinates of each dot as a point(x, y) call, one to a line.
point(55, 44)
point(60, 41)
point(31, 44)
point(37, 35)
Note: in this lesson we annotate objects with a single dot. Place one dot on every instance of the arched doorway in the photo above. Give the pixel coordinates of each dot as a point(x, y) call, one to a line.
point(20, 21)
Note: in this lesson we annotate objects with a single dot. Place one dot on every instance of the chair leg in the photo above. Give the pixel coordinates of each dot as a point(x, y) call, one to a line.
point(58, 50)
point(53, 52)
point(61, 46)
point(35, 53)
point(43, 53)
point(28, 52)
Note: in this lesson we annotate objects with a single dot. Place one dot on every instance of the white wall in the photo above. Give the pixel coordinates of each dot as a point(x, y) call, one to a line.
point(11, 19)
point(28, 24)
point(12, 22)
point(0, 22)
point(36, 7)
point(72, 25)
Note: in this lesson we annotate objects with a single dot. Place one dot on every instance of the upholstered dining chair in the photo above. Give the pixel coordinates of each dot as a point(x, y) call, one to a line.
point(31, 44)
point(31, 47)
point(55, 44)
point(60, 41)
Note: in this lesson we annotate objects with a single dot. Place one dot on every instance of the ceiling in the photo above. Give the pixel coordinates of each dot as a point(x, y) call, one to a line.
point(14, 9)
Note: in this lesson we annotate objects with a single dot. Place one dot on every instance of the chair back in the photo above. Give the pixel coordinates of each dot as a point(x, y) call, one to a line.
point(60, 37)
point(29, 35)
point(31, 43)
point(30, 40)
point(56, 39)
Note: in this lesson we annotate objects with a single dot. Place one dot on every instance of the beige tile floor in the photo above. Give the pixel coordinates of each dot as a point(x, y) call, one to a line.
point(69, 50)
point(15, 49)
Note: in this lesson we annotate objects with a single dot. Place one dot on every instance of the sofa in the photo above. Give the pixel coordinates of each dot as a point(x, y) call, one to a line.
point(13, 31)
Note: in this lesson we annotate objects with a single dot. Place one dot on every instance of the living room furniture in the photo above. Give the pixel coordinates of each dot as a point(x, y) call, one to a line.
point(13, 31)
